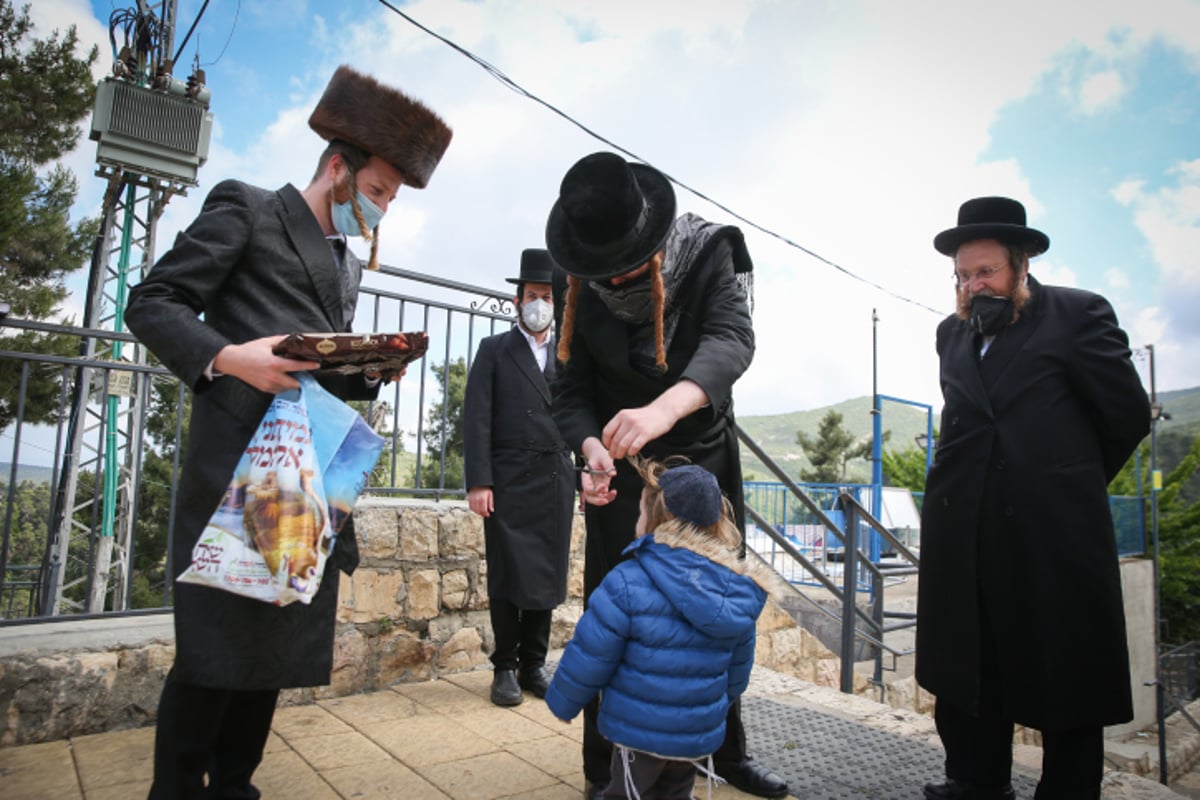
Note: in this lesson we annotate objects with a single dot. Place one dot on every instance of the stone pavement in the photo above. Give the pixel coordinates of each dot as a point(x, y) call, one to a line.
point(444, 739)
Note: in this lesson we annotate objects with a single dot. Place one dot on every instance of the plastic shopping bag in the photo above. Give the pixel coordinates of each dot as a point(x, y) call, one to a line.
point(292, 491)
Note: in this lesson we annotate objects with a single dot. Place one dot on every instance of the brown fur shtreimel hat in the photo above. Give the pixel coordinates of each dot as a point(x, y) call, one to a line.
point(384, 121)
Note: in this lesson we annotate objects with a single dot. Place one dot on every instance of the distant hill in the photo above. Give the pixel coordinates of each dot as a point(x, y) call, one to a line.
point(776, 433)
point(1184, 407)
point(25, 473)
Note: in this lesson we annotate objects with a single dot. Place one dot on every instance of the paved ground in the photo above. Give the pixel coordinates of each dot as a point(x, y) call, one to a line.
point(444, 739)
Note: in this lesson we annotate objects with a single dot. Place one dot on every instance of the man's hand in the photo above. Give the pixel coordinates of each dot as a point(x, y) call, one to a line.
point(631, 429)
point(481, 500)
point(597, 475)
point(254, 363)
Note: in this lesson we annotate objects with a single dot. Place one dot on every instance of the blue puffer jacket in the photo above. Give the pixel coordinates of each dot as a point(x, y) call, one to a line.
point(668, 638)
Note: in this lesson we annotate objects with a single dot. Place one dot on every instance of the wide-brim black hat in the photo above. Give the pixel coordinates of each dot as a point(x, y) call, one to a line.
point(999, 218)
point(611, 216)
point(385, 122)
point(536, 267)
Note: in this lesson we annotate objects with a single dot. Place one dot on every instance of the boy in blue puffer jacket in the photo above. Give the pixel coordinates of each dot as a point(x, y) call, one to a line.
point(667, 638)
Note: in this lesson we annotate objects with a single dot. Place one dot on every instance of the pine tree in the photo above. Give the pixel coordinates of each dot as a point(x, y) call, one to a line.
point(45, 91)
point(831, 450)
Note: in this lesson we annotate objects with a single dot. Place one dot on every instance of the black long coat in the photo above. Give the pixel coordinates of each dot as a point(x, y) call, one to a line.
point(713, 345)
point(512, 445)
point(254, 263)
point(1016, 529)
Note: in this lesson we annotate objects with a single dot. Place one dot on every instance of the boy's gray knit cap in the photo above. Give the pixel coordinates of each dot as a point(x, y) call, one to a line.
point(692, 494)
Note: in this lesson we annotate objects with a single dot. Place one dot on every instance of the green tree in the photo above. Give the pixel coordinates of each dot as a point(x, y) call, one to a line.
point(832, 449)
point(45, 91)
point(154, 491)
point(1178, 537)
point(905, 468)
point(443, 433)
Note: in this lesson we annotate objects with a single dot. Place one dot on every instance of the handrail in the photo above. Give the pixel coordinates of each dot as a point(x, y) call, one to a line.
point(851, 563)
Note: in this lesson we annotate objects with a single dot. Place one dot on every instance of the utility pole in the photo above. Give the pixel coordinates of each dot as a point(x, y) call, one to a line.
point(152, 133)
point(1156, 413)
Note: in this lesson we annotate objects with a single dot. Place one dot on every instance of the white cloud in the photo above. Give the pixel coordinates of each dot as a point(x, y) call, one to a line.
point(1116, 280)
point(856, 129)
point(1101, 91)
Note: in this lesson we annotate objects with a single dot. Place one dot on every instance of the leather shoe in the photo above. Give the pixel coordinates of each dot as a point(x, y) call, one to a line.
point(958, 790)
point(535, 680)
point(505, 690)
point(593, 791)
point(752, 778)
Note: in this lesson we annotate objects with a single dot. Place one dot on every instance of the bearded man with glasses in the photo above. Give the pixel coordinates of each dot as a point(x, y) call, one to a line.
point(1020, 617)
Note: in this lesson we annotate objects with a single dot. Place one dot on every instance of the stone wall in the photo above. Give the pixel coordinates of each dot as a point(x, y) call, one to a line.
point(415, 609)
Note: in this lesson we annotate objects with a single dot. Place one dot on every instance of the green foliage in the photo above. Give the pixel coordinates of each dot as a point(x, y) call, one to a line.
point(30, 518)
point(45, 91)
point(444, 436)
point(905, 468)
point(1179, 552)
point(832, 449)
point(1178, 534)
point(163, 417)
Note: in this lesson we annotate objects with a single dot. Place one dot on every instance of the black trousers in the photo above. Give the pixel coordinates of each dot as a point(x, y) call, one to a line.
point(218, 732)
point(522, 635)
point(598, 751)
point(653, 778)
point(979, 751)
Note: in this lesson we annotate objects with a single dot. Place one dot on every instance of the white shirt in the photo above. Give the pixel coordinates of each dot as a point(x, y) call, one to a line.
point(540, 351)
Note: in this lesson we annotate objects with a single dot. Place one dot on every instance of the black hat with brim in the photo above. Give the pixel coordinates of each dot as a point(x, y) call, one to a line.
point(999, 218)
point(611, 216)
point(536, 267)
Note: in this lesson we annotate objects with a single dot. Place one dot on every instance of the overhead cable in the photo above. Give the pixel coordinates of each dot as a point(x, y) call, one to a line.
point(516, 87)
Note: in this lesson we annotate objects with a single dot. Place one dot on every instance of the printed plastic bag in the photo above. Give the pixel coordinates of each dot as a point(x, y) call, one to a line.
point(293, 490)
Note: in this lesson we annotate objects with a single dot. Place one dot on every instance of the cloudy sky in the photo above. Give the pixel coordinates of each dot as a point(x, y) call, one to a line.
point(853, 129)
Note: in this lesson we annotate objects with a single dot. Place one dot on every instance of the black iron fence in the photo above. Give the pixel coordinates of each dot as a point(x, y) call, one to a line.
point(91, 449)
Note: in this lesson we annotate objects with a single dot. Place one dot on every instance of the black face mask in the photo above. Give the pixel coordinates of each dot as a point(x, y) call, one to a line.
point(989, 315)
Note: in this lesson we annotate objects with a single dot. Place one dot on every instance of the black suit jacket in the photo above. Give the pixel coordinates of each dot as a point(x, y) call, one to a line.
point(254, 263)
point(513, 446)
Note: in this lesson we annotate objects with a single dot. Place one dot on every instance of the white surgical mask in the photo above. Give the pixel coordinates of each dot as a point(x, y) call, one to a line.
point(343, 216)
point(537, 315)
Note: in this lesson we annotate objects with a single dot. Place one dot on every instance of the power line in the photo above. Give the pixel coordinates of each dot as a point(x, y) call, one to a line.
point(516, 87)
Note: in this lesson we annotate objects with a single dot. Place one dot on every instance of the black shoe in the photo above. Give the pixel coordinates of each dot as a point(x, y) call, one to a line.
point(593, 791)
point(752, 778)
point(505, 690)
point(957, 790)
point(535, 680)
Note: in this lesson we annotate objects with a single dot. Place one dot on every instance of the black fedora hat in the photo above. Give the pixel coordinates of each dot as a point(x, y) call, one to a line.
point(611, 216)
point(536, 267)
point(999, 218)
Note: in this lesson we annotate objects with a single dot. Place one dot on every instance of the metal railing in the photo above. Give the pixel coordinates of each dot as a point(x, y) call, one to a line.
point(808, 564)
point(422, 457)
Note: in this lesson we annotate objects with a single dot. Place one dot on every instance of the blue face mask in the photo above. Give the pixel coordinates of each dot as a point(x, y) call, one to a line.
point(343, 216)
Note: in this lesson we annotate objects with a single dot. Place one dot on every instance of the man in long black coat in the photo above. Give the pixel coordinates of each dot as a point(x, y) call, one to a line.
point(655, 331)
point(521, 480)
point(258, 265)
point(1019, 613)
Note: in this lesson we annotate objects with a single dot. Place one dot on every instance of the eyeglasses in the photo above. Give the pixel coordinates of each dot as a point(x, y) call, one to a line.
point(964, 278)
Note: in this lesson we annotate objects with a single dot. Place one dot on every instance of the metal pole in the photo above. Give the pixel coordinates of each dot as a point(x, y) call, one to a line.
point(849, 600)
point(1155, 487)
point(877, 422)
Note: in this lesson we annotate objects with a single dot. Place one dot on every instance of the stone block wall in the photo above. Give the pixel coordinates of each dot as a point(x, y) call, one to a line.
point(414, 610)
